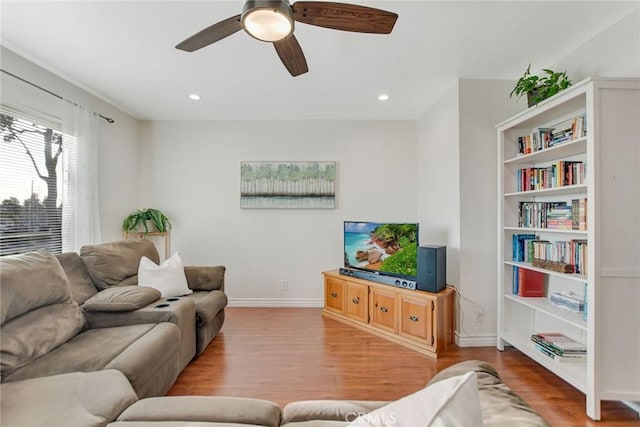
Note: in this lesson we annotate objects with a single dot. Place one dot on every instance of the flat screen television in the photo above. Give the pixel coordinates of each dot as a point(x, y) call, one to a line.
point(382, 247)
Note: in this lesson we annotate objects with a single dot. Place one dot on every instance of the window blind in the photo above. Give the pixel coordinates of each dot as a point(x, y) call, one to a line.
point(34, 160)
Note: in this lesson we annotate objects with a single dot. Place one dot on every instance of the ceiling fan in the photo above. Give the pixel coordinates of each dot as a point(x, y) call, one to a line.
point(273, 21)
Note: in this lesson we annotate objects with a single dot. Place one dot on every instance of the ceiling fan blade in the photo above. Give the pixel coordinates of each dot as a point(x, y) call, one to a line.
point(211, 34)
point(291, 55)
point(345, 17)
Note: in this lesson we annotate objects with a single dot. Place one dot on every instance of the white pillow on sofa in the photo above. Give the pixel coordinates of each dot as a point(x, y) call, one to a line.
point(447, 403)
point(168, 277)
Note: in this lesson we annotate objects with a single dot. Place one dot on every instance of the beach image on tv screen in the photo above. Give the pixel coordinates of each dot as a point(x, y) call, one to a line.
point(385, 247)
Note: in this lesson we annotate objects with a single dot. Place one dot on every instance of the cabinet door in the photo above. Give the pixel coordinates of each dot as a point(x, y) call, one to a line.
point(417, 319)
point(383, 309)
point(356, 302)
point(334, 294)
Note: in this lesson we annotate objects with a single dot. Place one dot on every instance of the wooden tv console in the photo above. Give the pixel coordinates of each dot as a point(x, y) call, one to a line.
point(420, 321)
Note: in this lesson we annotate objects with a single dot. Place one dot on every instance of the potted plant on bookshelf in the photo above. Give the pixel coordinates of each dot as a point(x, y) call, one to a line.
point(539, 88)
point(148, 219)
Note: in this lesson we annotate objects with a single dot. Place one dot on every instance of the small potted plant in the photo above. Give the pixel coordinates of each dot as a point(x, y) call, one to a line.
point(146, 218)
point(539, 88)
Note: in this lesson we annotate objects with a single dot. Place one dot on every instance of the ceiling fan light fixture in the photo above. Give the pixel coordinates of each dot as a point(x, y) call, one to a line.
point(267, 20)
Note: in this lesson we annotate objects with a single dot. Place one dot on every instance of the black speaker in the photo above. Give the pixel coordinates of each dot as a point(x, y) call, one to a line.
point(432, 268)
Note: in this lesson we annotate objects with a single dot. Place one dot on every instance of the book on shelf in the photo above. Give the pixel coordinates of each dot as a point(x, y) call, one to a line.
point(559, 343)
point(581, 358)
point(553, 215)
point(542, 138)
point(559, 174)
point(519, 246)
point(530, 283)
point(586, 304)
point(572, 252)
point(582, 213)
point(575, 214)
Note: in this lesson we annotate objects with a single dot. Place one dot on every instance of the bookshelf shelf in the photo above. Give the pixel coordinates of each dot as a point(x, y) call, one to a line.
point(566, 149)
point(543, 305)
point(525, 230)
point(608, 251)
point(569, 276)
point(557, 191)
point(573, 373)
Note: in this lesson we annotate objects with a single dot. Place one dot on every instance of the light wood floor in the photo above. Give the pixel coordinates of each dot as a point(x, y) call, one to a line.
point(288, 354)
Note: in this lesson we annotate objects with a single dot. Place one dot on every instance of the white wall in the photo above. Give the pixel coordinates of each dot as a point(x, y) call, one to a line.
point(614, 52)
point(191, 170)
point(118, 151)
point(439, 179)
point(478, 196)
point(457, 203)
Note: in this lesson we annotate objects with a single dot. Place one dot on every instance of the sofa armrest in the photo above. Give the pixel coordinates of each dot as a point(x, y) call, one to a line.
point(201, 410)
point(485, 371)
point(178, 311)
point(501, 406)
point(205, 278)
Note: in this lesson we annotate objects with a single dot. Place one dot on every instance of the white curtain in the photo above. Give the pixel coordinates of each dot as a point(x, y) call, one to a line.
point(80, 209)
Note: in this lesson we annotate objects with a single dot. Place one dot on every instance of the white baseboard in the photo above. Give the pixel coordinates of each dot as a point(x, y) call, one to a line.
point(476, 340)
point(276, 302)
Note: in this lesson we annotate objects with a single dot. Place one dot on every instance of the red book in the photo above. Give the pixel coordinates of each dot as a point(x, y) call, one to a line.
point(530, 283)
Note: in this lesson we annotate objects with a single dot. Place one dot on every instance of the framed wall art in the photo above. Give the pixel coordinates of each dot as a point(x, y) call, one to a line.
point(287, 185)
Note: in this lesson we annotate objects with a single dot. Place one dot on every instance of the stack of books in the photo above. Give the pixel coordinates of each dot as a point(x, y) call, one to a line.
point(546, 137)
point(559, 347)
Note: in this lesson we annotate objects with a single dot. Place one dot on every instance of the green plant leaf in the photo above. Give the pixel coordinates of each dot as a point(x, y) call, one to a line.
point(143, 216)
point(540, 88)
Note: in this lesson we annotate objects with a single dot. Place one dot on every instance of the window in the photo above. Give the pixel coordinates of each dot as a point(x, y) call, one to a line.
point(34, 161)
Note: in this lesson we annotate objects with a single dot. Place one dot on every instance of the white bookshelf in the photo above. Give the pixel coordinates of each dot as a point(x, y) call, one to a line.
point(611, 152)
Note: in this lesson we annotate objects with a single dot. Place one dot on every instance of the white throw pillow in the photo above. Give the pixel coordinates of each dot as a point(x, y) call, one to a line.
point(167, 277)
point(447, 403)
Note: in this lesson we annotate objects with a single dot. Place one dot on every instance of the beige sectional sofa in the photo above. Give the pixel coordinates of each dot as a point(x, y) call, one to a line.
point(105, 398)
point(85, 313)
point(110, 265)
point(82, 345)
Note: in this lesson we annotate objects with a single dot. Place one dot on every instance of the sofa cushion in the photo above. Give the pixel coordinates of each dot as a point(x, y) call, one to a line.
point(325, 412)
point(89, 351)
point(31, 280)
point(168, 277)
point(205, 409)
point(451, 402)
point(37, 311)
point(122, 298)
point(205, 278)
point(151, 363)
point(500, 405)
point(116, 263)
point(76, 399)
point(146, 354)
point(82, 287)
point(208, 305)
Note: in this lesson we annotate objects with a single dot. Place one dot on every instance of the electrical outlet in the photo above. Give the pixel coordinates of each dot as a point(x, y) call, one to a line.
point(284, 285)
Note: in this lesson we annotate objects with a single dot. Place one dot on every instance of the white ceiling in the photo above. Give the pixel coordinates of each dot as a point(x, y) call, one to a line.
point(124, 52)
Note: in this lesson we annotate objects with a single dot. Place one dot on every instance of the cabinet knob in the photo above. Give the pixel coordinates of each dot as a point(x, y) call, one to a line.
point(333, 294)
point(356, 300)
point(383, 309)
point(414, 318)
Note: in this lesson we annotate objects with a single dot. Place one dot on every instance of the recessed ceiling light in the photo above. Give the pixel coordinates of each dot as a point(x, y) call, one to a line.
point(383, 97)
point(194, 96)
